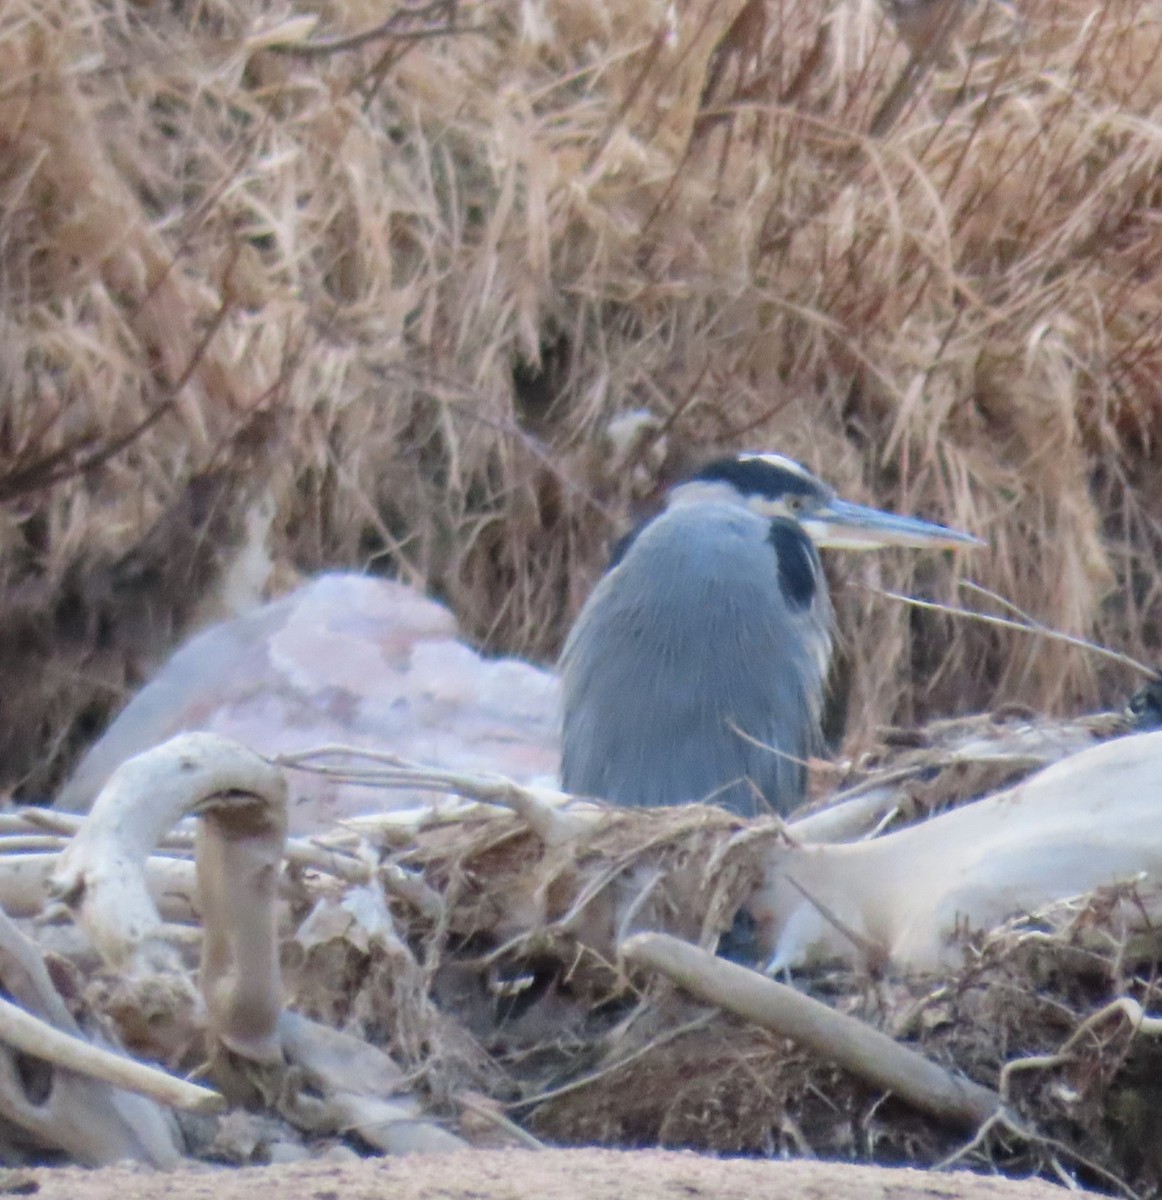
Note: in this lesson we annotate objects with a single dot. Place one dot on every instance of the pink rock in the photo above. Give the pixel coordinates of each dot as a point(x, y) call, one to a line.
point(345, 659)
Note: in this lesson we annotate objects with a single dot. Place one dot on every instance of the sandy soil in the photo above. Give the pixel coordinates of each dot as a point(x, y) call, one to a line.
point(527, 1175)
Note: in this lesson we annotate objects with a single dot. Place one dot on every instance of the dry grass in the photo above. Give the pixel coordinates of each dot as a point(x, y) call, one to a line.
point(398, 288)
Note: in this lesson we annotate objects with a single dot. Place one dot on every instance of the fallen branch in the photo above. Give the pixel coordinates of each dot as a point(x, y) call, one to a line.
point(241, 800)
point(80, 1113)
point(240, 847)
point(25, 873)
point(856, 1047)
point(25, 884)
point(241, 839)
point(1085, 822)
point(102, 874)
point(851, 817)
point(357, 1088)
point(31, 1035)
point(542, 808)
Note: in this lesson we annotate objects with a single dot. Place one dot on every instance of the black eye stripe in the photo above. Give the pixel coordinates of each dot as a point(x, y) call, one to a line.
point(759, 477)
point(798, 562)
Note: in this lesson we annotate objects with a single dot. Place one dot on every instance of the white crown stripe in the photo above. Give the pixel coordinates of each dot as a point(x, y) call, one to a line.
point(779, 460)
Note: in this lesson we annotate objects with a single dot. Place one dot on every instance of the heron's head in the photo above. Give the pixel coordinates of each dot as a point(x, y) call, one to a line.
point(772, 485)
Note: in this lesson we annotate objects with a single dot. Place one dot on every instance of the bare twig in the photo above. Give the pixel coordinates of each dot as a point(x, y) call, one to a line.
point(78, 456)
point(541, 808)
point(395, 28)
point(1029, 626)
point(1124, 1006)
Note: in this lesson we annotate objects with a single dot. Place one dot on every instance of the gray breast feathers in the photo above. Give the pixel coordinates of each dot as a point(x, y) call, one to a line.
point(694, 672)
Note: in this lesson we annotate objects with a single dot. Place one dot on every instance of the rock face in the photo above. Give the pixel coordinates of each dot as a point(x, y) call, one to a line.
point(345, 659)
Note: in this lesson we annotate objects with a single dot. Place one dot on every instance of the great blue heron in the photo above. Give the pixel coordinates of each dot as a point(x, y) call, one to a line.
point(697, 668)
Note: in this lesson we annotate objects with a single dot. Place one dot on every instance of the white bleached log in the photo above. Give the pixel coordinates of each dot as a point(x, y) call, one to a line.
point(1088, 821)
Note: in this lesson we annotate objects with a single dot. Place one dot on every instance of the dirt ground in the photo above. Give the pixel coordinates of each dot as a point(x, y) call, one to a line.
point(521, 1174)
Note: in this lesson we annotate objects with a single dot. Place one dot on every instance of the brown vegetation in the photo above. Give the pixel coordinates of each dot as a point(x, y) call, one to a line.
point(377, 301)
point(276, 296)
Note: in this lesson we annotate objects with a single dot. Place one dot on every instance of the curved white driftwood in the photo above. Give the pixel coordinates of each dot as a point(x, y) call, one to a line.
point(1088, 821)
point(240, 799)
point(102, 874)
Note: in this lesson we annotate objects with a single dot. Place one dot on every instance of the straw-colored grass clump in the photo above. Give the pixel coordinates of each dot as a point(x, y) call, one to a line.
point(377, 300)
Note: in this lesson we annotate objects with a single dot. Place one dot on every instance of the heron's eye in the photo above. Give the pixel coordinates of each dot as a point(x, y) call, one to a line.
point(795, 504)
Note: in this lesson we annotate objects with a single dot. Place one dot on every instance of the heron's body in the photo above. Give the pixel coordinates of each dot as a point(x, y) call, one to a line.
point(725, 703)
point(697, 668)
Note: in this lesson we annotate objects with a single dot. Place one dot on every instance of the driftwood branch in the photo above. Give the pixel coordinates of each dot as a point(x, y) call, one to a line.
point(240, 848)
point(26, 884)
point(29, 1034)
point(26, 867)
point(547, 811)
point(102, 874)
point(850, 1043)
point(1083, 823)
point(93, 1122)
point(360, 1089)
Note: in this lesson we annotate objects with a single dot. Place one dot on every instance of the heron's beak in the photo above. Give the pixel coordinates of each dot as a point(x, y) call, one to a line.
point(839, 525)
